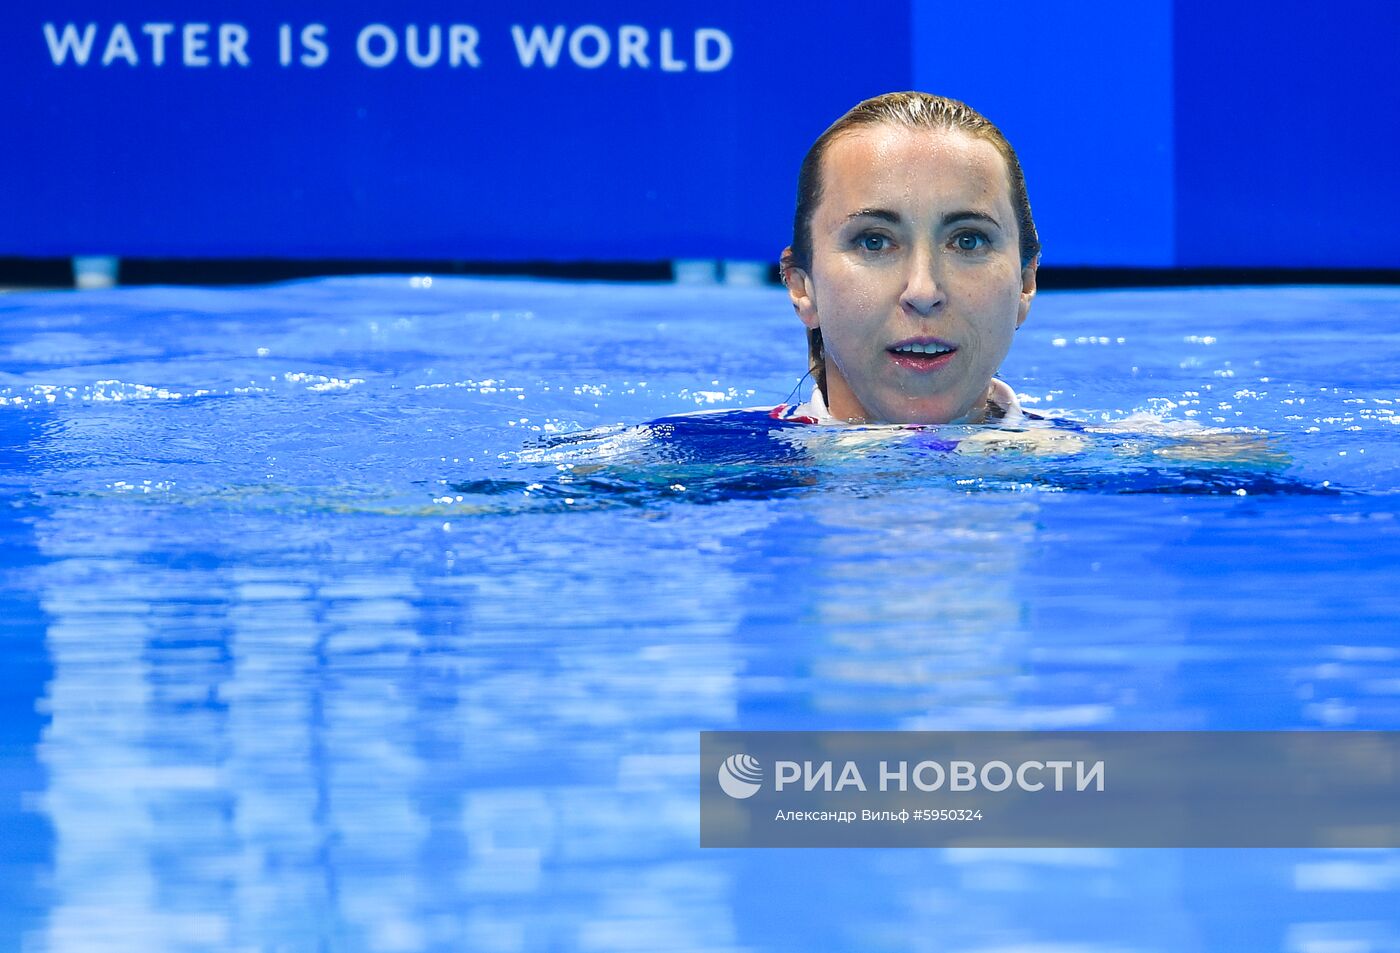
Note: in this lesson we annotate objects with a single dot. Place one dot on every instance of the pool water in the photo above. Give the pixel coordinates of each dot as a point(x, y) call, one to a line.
point(384, 613)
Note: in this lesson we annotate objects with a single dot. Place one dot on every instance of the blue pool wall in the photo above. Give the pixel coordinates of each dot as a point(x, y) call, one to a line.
point(1158, 133)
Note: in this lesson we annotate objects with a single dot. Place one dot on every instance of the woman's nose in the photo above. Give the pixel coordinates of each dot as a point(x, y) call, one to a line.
point(923, 287)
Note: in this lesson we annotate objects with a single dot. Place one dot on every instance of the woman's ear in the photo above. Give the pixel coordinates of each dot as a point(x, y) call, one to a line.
point(799, 287)
point(1027, 290)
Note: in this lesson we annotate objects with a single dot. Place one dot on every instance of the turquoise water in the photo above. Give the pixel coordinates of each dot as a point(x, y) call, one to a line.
point(367, 614)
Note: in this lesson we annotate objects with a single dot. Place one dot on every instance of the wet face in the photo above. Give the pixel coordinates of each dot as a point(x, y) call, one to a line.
point(916, 280)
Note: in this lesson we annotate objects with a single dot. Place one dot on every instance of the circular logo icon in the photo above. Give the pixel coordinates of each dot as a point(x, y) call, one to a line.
point(740, 776)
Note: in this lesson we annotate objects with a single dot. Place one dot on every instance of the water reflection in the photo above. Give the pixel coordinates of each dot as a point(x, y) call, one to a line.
point(339, 741)
point(263, 749)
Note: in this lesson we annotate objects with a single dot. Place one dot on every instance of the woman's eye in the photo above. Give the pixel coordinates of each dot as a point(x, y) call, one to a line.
point(970, 241)
point(873, 242)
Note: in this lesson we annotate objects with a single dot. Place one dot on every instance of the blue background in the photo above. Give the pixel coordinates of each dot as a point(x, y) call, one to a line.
point(1154, 134)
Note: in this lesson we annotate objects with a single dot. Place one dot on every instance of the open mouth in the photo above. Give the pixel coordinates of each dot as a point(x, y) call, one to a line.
point(922, 355)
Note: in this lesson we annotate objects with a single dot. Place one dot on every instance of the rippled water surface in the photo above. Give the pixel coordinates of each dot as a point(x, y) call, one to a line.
point(383, 614)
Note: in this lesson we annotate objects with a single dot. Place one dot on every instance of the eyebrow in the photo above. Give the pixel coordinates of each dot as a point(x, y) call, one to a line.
point(969, 215)
point(952, 218)
point(884, 214)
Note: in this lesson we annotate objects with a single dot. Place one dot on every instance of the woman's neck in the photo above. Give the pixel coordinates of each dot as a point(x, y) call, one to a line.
point(844, 406)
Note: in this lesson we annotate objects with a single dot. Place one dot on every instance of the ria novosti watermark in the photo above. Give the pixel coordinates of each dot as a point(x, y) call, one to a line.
point(932, 776)
point(1123, 789)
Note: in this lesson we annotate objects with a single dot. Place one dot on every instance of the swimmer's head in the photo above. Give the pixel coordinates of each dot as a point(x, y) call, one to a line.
point(883, 145)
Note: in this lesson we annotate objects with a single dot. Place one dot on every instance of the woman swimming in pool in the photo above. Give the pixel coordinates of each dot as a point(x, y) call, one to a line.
point(912, 264)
